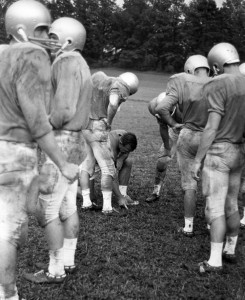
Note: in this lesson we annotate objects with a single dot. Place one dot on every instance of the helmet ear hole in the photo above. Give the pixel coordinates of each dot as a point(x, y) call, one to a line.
point(69, 41)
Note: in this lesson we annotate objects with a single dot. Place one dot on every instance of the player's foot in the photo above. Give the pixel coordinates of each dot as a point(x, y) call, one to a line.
point(186, 233)
point(112, 212)
point(93, 207)
point(68, 269)
point(230, 258)
point(44, 277)
point(204, 267)
point(153, 198)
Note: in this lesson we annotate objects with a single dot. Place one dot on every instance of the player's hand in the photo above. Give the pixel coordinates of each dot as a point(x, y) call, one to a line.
point(196, 170)
point(122, 202)
point(157, 116)
point(178, 126)
point(70, 172)
point(108, 126)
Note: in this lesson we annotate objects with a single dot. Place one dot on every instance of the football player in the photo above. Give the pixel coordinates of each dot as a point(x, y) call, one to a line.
point(24, 95)
point(108, 94)
point(121, 144)
point(70, 104)
point(184, 90)
point(221, 148)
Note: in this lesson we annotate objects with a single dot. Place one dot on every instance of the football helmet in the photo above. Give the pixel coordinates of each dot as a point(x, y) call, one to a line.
point(70, 33)
point(131, 81)
point(221, 54)
point(194, 62)
point(242, 68)
point(23, 17)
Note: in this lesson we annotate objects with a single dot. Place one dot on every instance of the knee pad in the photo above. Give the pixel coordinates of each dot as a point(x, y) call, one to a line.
point(109, 170)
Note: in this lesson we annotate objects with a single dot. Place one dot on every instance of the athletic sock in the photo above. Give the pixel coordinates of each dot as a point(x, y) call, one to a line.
point(69, 246)
point(230, 244)
point(107, 200)
point(215, 259)
point(156, 189)
point(86, 198)
point(188, 224)
point(56, 262)
point(123, 189)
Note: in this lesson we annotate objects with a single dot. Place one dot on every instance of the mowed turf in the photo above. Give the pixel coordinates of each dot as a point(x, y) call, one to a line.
point(138, 254)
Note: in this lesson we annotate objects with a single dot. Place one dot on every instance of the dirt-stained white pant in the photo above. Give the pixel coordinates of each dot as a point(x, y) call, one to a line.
point(221, 177)
point(18, 168)
point(57, 197)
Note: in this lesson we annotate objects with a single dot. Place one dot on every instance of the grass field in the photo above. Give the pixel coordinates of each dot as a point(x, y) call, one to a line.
point(139, 254)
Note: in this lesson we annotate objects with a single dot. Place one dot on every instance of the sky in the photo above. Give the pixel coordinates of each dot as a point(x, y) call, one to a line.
point(218, 2)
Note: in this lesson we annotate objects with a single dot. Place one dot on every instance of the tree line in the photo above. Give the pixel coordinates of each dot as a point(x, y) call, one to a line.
point(150, 34)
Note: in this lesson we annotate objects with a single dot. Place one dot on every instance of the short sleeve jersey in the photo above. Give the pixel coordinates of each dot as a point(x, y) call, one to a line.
point(25, 88)
point(103, 87)
point(72, 92)
point(186, 90)
point(226, 96)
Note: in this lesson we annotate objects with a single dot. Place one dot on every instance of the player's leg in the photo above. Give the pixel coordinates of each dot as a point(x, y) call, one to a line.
point(86, 171)
point(103, 156)
point(123, 178)
point(162, 164)
point(69, 217)
point(187, 146)
point(215, 178)
point(53, 187)
point(231, 207)
point(18, 168)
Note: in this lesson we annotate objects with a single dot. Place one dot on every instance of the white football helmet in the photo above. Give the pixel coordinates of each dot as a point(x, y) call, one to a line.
point(131, 81)
point(194, 62)
point(23, 17)
point(242, 68)
point(221, 54)
point(70, 33)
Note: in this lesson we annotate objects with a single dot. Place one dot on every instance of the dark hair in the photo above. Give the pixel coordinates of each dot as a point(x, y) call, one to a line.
point(129, 138)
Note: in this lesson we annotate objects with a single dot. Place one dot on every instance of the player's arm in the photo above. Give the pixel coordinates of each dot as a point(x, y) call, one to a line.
point(122, 200)
point(216, 102)
point(67, 75)
point(151, 106)
point(114, 102)
point(163, 128)
point(164, 109)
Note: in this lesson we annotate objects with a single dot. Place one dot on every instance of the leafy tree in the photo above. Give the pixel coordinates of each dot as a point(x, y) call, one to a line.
point(233, 24)
point(201, 27)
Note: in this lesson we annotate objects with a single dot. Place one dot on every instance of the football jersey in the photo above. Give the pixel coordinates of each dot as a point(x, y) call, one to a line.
point(72, 92)
point(25, 85)
point(186, 91)
point(103, 87)
point(225, 95)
